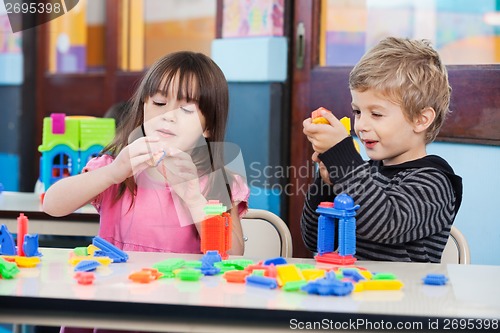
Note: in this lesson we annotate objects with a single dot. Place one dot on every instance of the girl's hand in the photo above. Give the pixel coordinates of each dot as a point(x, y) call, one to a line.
point(323, 171)
point(134, 158)
point(323, 136)
point(182, 176)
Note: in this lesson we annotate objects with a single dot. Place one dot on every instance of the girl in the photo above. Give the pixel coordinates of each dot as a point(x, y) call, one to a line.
point(152, 181)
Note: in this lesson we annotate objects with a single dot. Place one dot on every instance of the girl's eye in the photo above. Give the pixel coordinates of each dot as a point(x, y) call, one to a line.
point(356, 112)
point(376, 115)
point(159, 103)
point(186, 110)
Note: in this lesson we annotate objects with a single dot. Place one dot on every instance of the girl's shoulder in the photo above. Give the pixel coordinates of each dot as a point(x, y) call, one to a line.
point(98, 162)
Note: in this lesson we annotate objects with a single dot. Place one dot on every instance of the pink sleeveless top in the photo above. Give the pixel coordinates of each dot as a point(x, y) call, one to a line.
point(154, 223)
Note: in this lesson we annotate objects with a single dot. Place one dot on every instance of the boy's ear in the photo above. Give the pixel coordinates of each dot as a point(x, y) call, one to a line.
point(424, 120)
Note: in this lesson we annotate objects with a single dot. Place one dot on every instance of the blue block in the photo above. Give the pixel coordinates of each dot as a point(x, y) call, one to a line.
point(259, 59)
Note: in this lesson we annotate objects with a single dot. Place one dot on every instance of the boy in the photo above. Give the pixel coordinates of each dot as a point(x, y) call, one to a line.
point(409, 200)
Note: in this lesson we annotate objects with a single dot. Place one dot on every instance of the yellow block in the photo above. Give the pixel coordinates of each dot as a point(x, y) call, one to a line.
point(378, 285)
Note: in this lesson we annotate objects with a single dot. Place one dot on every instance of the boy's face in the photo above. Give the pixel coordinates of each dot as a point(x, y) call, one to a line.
point(384, 130)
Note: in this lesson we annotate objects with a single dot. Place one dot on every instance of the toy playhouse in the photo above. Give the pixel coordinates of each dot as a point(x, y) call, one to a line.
point(69, 142)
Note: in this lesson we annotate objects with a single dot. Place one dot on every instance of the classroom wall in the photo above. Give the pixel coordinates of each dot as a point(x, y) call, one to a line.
point(10, 110)
point(478, 218)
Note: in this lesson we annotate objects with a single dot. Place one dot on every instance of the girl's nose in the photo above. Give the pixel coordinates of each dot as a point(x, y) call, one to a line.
point(170, 115)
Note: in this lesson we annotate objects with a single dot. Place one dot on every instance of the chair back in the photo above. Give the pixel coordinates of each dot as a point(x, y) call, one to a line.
point(266, 235)
point(457, 249)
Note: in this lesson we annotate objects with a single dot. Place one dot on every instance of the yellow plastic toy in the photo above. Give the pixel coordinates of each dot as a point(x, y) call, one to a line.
point(316, 118)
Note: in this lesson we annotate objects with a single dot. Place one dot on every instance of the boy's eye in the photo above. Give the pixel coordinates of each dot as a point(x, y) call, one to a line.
point(376, 115)
point(356, 112)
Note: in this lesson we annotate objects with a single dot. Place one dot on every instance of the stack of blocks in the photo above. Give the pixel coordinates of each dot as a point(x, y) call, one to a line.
point(343, 210)
point(216, 229)
point(69, 142)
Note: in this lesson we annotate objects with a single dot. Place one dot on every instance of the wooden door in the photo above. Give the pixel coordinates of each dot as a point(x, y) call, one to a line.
point(475, 103)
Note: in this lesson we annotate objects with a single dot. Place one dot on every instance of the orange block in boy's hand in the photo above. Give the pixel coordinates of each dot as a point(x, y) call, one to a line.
point(317, 118)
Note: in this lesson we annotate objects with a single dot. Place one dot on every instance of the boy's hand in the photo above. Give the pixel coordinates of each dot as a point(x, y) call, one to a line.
point(323, 171)
point(324, 136)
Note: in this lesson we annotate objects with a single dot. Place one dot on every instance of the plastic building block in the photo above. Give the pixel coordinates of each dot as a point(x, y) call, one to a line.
point(379, 285)
point(275, 261)
point(316, 117)
point(235, 276)
point(294, 285)
point(167, 267)
point(270, 271)
point(7, 245)
point(343, 211)
point(145, 275)
point(288, 273)
point(30, 245)
point(111, 251)
point(81, 251)
point(216, 229)
point(384, 276)
point(8, 270)
point(22, 229)
point(58, 124)
point(328, 287)
point(189, 274)
point(27, 262)
point(335, 259)
point(84, 278)
point(86, 266)
point(261, 281)
point(435, 279)
point(352, 274)
point(312, 274)
point(74, 260)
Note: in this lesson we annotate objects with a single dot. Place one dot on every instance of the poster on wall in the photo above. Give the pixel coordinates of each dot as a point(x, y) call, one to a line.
point(243, 18)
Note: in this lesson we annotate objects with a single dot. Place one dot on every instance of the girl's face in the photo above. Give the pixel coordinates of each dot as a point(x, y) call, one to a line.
point(176, 123)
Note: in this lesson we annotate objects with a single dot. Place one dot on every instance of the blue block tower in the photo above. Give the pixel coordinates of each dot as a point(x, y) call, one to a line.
point(343, 210)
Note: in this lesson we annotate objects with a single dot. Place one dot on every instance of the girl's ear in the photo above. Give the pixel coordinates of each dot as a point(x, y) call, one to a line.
point(206, 134)
point(424, 120)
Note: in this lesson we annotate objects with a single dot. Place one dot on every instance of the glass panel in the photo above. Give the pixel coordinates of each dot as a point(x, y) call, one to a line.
point(152, 28)
point(463, 31)
point(77, 39)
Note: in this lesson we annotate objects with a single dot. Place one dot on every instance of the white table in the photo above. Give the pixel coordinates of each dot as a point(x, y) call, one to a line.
point(48, 295)
point(83, 222)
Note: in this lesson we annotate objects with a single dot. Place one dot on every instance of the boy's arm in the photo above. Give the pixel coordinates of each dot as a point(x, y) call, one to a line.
point(412, 205)
point(68, 194)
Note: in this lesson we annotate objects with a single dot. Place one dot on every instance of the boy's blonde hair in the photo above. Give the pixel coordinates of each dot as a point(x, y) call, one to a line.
point(409, 73)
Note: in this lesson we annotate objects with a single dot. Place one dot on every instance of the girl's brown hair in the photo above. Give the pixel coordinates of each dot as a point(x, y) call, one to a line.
point(200, 80)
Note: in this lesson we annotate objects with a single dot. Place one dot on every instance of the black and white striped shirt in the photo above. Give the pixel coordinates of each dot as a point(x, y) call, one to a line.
point(406, 211)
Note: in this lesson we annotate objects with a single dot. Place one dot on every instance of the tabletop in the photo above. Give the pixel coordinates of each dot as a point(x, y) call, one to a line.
point(48, 295)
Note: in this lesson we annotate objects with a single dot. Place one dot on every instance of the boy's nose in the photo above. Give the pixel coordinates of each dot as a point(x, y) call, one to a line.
point(361, 124)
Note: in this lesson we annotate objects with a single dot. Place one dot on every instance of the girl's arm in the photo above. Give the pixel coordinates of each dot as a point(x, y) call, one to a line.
point(238, 246)
point(71, 193)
